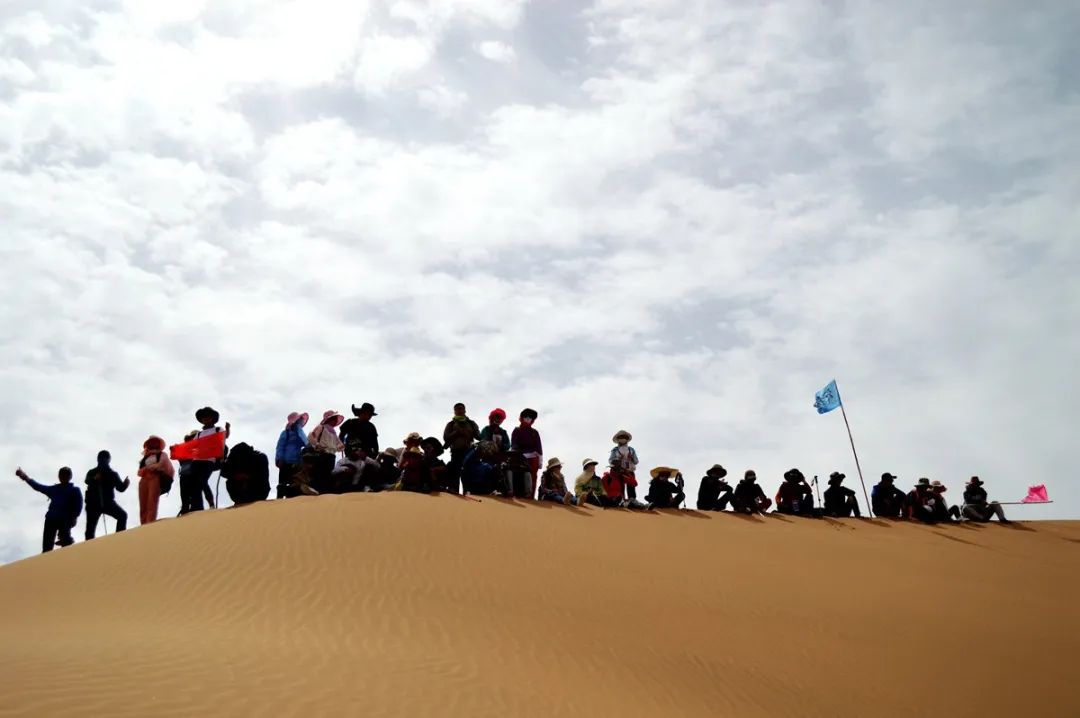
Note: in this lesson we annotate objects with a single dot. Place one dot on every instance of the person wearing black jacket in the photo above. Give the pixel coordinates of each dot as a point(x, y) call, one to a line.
point(360, 430)
point(886, 500)
point(714, 494)
point(749, 497)
point(840, 501)
point(976, 505)
point(102, 483)
point(663, 494)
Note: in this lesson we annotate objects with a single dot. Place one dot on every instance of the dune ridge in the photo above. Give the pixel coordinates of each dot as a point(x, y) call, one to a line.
point(409, 605)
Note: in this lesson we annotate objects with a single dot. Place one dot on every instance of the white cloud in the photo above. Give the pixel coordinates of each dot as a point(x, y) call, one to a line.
point(496, 51)
point(683, 221)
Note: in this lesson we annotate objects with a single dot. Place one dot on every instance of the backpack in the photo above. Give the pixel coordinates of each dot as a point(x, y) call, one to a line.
point(244, 460)
point(165, 481)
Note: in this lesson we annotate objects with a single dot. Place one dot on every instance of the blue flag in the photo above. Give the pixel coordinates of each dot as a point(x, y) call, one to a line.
point(827, 399)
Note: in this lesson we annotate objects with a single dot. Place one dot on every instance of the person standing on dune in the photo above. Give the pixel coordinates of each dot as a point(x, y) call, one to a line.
point(324, 439)
point(526, 439)
point(65, 506)
point(460, 434)
point(102, 483)
point(291, 442)
point(155, 478)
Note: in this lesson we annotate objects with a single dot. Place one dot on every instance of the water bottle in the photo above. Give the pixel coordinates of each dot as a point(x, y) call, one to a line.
point(795, 506)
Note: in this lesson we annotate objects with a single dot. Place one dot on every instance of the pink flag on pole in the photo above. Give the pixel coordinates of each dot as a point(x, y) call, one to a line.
point(1036, 495)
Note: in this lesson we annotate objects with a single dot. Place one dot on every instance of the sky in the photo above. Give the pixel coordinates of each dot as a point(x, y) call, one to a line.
point(676, 217)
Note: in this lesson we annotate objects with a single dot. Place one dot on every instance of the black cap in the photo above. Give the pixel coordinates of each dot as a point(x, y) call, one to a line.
point(888, 477)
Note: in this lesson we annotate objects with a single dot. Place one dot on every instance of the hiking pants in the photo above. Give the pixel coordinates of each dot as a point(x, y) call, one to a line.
point(196, 486)
point(149, 496)
point(533, 462)
point(54, 528)
point(452, 474)
point(983, 514)
point(721, 503)
point(95, 512)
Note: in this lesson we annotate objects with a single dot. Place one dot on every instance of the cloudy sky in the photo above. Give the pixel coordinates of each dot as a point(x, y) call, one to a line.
point(677, 217)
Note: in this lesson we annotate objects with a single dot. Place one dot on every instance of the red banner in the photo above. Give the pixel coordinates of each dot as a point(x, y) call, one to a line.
point(207, 448)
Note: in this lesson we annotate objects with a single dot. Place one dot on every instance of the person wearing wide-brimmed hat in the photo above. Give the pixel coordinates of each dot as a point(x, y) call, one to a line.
point(413, 476)
point(588, 487)
point(941, 508)
point(663, 492)
point(199, 471)
point(388, 473)
point(435, 466)
point(325, 440)
point(360, 429)
point(976, 504)
point(714, 493)
point(920, 502)
point(749, 496)
point(156, 474)
point(886, 499)
point(553, 484)
point(840, 501)
point(291, 442)
point(526, 439)
point(795, 497)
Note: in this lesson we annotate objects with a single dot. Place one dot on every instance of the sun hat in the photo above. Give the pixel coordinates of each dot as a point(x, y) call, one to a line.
point(621, 433)
point(716, 470)
point(554, 463)
point(655, 473)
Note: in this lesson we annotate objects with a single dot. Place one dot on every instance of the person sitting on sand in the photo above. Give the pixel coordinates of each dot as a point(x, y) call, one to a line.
point(65, 505)
point(291, 442)
point(413, 476)
point(361, 430)
point(156, 474)
point(553, 485)
point(976, 506)
point(588, 487)
point(247, 475)
point(388, 474)
point(102, 483)
point(354, 468)
point(795, 497)
point(480, 472)
point(663, 493)
point(617, 490)
point(714, 494)
point(942, 510)
point(886, 499)
point(436, 467)
point(302, 478)
point(749, 497)
point(920, 501)
point(840, 501)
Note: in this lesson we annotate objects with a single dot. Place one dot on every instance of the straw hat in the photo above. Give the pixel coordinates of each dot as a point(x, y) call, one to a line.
point(413, 436)
point(620, 434)
point(935, 484)
point(589, 462)
point(655, 473)
point(554, 463)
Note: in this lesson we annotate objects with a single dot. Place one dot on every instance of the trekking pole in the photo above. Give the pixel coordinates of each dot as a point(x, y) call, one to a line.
point(101, 502)
point(817, 488)
point(217, 492)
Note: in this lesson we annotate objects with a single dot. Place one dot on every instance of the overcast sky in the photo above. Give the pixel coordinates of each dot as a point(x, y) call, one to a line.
point(676, 217)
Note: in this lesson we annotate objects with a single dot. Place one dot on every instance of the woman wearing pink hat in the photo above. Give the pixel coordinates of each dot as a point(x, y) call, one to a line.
point(289, 445)
point(325, 440)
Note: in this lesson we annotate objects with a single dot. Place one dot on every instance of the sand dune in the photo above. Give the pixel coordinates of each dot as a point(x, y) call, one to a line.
point(409, 605)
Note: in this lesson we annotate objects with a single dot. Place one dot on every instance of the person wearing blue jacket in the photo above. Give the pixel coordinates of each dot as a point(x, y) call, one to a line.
point(287, 456)
point(65, 506)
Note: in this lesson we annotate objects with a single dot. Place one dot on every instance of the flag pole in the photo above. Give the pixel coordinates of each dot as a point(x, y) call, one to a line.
point(853, 452)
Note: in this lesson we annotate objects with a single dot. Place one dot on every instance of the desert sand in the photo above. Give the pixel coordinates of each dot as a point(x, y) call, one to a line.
point(411, 605)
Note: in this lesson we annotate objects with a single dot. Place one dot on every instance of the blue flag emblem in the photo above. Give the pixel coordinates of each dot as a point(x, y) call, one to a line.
point(827, 399)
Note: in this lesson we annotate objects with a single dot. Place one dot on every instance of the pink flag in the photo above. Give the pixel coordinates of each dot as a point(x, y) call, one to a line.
point(1036, 495)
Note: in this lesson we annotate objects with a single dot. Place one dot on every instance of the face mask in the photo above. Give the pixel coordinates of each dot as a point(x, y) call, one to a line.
point(622, 442)
point(527, 422)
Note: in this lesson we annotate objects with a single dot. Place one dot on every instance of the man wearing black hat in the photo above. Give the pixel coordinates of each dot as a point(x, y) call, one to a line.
point(886, 500)
point(360, 429)
point(840, 501)
point(102, 483)
point(795, 497)
point(714, 494)
point(920, 502)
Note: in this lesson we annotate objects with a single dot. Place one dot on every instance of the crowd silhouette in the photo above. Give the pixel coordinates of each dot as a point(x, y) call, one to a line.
point(340, 456)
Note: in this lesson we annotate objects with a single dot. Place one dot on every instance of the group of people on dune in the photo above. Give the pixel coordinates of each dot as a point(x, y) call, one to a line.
point(341, 456)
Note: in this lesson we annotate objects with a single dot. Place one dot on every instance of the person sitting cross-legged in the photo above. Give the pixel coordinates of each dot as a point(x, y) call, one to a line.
point(715, 494)
point(663, 492)
point(976, 506)
point(749, 496)
point(840, 501)
point(354, 471)
point(795, 496)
